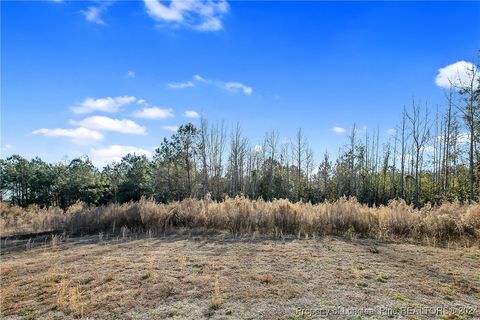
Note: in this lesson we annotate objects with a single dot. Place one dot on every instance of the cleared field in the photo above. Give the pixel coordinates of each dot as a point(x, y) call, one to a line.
point(193, 276)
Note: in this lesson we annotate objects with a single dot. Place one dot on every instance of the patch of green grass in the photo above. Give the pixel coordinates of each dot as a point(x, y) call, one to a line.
point(382, 277)
point(451, 316)
point(400, 297)
point(28, 314)
point(449, 287)
point(296, 315)
point(148, 275)
point(179, 311)
point(325, 302)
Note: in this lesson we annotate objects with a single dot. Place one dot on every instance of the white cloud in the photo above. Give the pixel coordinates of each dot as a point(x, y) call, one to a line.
point(160, 11)
point(154, 113)
point(429, 149)
point(258, 148)
point(181, 85)
point(191, 114)
point(131, 74)
point(102, 123)
point(232, 86)
point(211, 24)
point(170, 128)
point(338, 129)
point(107, 104)
point(391, 131)
point(456, 73)
point(201, 79)
point(199, 15)
point(103, 156)
point(464, 138)
point(237, 86)
point(7, 146)
point(92, 14)
point(82, 136)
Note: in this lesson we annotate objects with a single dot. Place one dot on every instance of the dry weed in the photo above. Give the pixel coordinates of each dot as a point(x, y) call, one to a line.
point(448, 223)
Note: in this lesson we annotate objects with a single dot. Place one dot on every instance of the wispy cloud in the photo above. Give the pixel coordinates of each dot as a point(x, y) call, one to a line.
point(107, 104)
point(238, 87)
point(199, 15)
point(463, 138)
point(181, 85)
point(92, 14)
point(200, 78)
point(153, 113)
point(191, 114)
point(81, 136)
point(391, 131)
point(338, 129)
point(103, 156)
point(232, 86)
point(456, 74)
point(170, 128)
point(5, 148)
point(102, 123)
point(130, 74)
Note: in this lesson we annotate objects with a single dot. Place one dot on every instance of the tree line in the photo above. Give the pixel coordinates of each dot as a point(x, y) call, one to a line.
point(431, 156)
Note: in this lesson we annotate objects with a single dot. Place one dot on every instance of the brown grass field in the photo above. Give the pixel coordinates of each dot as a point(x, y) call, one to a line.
point(190, 275)
point(241, 259)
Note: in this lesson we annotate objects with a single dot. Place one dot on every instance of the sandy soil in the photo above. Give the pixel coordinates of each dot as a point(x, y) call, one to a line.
point(218, 276)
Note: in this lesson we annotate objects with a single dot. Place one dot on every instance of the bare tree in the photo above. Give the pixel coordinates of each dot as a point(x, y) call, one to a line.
point(299, 148)
point(420, 131)
point(203, 154)
point(216, 150)
point(238, 151)
point(351, 160)
point(393, 186)
point(470, 109)
point(309, 164)
point(447, 140)
point(285, 170)
point(270, 148)
point(403, 151)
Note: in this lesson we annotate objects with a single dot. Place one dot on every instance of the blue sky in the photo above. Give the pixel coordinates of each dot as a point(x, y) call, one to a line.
point(104, 78)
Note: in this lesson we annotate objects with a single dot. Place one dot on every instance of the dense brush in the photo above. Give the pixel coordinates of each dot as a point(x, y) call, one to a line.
point(397, 220)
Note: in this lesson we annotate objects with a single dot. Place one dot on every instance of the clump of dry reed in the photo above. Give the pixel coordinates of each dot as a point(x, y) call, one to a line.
point(239, 215)
point(16, 220)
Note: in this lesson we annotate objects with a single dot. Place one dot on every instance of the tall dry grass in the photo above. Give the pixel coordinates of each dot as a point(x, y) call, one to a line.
point(16, 220)
point(397, 220)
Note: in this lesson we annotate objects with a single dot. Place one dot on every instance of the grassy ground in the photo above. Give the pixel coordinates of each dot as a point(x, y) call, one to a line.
point(216, 276)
